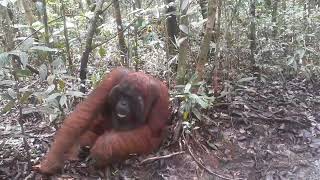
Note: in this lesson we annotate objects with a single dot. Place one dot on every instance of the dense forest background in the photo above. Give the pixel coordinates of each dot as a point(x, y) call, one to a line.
point(243, 78)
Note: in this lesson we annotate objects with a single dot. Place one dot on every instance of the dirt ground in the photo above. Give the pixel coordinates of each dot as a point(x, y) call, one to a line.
point(258, 130)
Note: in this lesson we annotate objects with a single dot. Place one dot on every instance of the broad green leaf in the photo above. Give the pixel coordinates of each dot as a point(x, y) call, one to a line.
point(7, 96)
point(58, 65)
point(52, 97)
point(187, 88)
point(23, 72)
point(156, 13)
point(63, 100)
point(75, 93)
point(50, 79)
point(24, 59)
point(50, 89)
point(27, 44)
point(8, 107)
point(200, 101)
point(184, 28)
point(22, 55)
point(43, 48)
point(197, 113)
point(25, 97)
point(102, 52)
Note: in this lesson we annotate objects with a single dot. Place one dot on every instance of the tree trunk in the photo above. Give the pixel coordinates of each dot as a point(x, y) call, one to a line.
point(204, 48)
point(183, 45)
point(122, 43)
point(88, 48)
point(46, 28)
point(172, 28)
point(252, 35)
point(217, 53)
point(29, 16)
point(8, 31)
point(203, 6)
point(274, 18)
point(9, 35)
point(137, 5)
point(228, 34)
point(65, 31)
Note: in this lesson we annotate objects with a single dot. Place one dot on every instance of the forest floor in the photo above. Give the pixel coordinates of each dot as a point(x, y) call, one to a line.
point(264, 131)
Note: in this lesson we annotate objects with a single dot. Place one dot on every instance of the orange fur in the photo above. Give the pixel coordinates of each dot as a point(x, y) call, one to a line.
point(84, 125)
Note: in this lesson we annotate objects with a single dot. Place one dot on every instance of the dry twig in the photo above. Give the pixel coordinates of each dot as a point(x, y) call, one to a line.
point(161, 157)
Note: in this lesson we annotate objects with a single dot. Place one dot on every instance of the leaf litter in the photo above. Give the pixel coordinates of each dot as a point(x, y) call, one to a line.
point(265, 130)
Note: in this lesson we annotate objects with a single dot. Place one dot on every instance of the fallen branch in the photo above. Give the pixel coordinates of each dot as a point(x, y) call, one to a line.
point(161, 157)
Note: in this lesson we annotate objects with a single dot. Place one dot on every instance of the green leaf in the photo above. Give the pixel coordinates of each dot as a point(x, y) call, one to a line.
point(24, 59)
point(25, 97)
point(75, 93)
point(27, 44)
point(58, 65)
point(7, 96)
point(187, 88)
point(43, 48)
point(204, 104)
point(8, 107)
point(63, 100)
point(52, 97)
point(197, 113)
point(50, 89)
point(184, 28)
point(23, 72)
point(102, 52)
point(22, 55)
